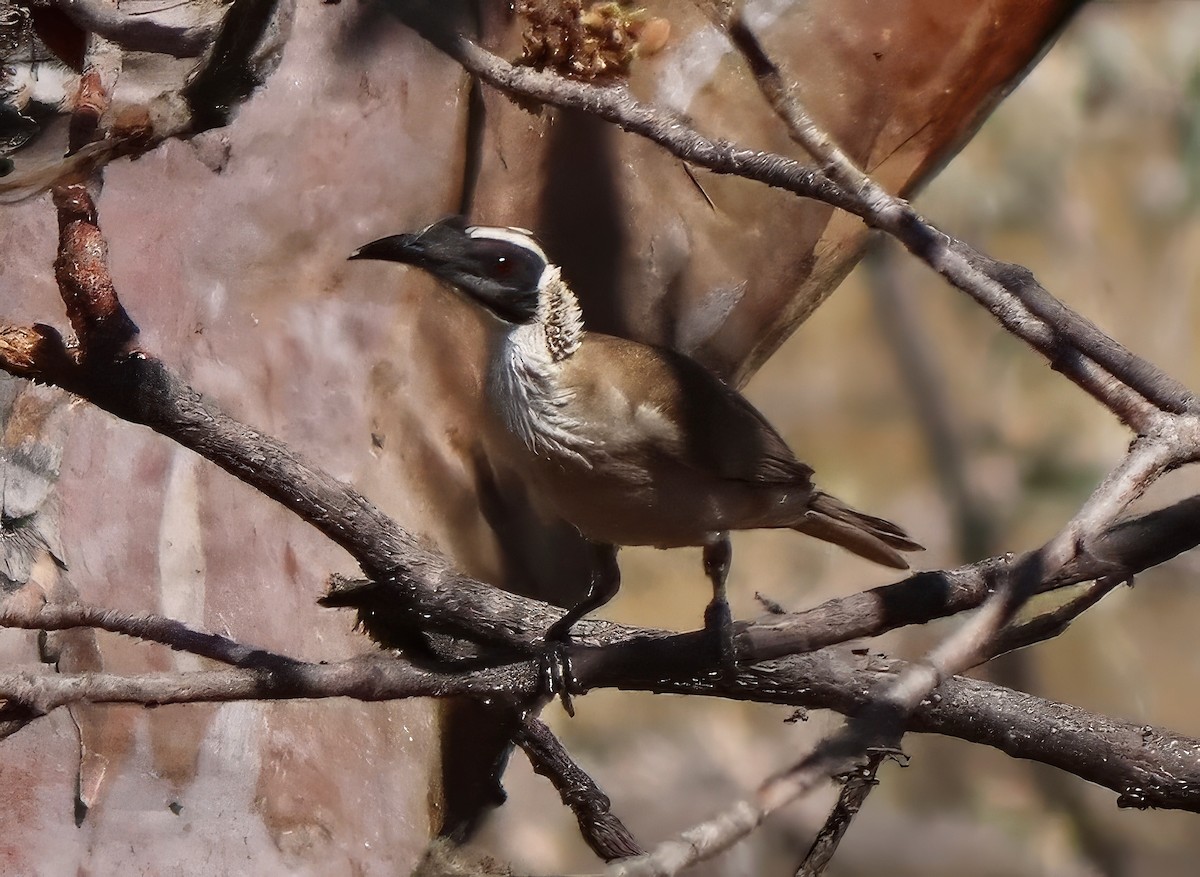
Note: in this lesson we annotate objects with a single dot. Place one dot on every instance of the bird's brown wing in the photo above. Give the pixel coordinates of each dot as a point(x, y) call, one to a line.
point(703, 423)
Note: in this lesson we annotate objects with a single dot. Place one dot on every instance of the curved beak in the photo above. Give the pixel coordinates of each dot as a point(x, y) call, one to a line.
point(406, 248)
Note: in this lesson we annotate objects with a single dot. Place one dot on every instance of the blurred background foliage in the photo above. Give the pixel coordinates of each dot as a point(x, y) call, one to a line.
point(1089, 174)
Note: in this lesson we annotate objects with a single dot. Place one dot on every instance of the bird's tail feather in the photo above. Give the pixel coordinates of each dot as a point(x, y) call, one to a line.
point(831, 520)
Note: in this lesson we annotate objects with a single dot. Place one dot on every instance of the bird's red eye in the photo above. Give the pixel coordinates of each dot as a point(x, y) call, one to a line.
point(505, 264)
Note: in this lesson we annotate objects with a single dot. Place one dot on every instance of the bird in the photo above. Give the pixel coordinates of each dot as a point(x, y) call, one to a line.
point(631, 443)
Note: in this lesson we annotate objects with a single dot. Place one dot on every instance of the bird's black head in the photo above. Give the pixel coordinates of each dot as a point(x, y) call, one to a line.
point(501, 268)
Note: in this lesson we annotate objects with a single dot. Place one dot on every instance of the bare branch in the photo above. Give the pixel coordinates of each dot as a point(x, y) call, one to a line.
point(1011, 296)
point(1146, 766)
point(601, 829)
point(1122, 756)
point(971, 271)
point(854, 793)
point(1050, 624)
point(372, 678)
point(1146, 460)
point(151, 628)
point(881, 724)
point(1121, 551)
point(138, 33)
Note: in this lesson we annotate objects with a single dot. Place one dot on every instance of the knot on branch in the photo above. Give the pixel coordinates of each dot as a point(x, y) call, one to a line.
point(96, 314)
point(37, 352)
point(1013, 277)
point(381, 613)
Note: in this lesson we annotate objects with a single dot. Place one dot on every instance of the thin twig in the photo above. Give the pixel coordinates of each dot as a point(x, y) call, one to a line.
point(883, 722)
point(601, 829)
point(147, 627)
point(999, 287)
point(835, 755)
point(857, 787)
point(136, 32)
point(1146, 766)
point(962, 266)
point(372, 678)
point(1049, 624)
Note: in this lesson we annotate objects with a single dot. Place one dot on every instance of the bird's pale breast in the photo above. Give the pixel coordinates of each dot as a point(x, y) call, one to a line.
point(604, 452)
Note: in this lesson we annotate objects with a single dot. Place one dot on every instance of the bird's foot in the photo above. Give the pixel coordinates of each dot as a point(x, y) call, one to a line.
point(718, 621)
point(554, 666)
point(556, 659)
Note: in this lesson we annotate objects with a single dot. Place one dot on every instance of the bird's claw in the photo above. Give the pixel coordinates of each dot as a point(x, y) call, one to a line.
point(718, 621)
point(557, 677)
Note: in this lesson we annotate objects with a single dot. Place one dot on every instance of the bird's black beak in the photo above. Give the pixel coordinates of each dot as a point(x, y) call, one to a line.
point(404, 248)
point(437, 245)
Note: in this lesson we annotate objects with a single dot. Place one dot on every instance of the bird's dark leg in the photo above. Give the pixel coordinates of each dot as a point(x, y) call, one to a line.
point(718, 554)
point(606, 581)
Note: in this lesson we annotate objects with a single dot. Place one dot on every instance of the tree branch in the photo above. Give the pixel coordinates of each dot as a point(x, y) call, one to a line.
point(1071, 343)
point(137, 33)
point(853, 795)
point(1146, 766)
point(1120, 552)
point(1050, 624)
point(147, 627)
point(966, 268)
point(602, 831)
